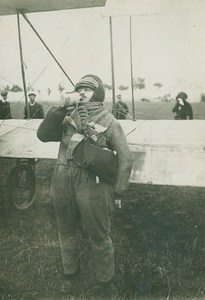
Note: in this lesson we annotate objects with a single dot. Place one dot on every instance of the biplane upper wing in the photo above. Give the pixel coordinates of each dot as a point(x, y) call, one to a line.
point(150, 7)
point(9, 7)
point(164, 151)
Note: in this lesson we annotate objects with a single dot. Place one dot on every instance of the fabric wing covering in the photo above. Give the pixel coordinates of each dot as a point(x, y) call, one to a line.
point(29, 6)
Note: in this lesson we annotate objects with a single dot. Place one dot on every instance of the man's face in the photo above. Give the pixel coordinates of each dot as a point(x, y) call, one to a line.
point(32, 98)
point(4, 97)
point(85, 94)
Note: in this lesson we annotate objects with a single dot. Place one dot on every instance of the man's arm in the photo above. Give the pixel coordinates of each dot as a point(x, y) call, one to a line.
point(41, 112)
point(175, 108)
point(190, 113)
point(50, 129)
point(25, 113)
point(126, 108)
point(9, 112)
point(118, 142)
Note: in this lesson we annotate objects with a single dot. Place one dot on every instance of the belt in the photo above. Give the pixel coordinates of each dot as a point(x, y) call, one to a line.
point(70, 163)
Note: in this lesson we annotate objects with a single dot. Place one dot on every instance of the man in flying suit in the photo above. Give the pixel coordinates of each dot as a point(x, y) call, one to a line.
point(79, 195)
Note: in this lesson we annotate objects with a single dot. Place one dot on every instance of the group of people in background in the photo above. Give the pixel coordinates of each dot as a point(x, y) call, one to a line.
point(182, 109)
point(34, 111)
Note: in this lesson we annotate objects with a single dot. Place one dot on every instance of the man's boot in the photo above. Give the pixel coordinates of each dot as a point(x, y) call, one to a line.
point(69, 281)
point(105, 291)
point(111, 292)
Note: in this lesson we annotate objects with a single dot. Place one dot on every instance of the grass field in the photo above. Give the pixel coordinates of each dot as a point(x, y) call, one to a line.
point(143, 110)
point(158, 237)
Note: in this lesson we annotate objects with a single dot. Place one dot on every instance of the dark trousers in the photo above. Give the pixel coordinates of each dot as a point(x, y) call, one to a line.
point(77, 196)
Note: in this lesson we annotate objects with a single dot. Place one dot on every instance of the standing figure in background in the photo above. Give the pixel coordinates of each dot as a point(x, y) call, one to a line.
point(182, 108)
point(5, 111)
point(35, 109)
point(121, 108)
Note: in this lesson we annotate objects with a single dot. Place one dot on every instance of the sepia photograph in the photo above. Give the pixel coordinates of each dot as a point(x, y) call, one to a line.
point(102, 150)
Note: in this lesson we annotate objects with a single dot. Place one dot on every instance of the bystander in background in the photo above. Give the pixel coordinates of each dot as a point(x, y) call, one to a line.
point(121, 108)
point(35, 109)
point(5, 111)
point(182, 108)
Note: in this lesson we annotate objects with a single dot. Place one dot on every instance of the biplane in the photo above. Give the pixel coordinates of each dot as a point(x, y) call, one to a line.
point(165, 152)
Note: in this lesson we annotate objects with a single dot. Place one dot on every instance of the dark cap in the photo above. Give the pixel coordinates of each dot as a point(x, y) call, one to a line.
point(94, 83)
point(32, 93)
point(4, 93)
point(182, 95)
point(87, 81)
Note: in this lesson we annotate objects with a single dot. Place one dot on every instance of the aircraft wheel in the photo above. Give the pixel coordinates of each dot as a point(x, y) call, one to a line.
point(21, 185)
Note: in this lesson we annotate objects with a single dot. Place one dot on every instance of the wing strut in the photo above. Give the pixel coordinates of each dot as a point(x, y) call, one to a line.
point(112, 69)
point(27, 20)
point(22, 66)
point(131, 71)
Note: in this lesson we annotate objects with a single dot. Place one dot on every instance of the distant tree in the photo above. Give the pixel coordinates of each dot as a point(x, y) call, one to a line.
point(107, 86)
point(7, 88)
point(15, 88)
point(61, 87)
point(29, 87)
point(139, 83)
point(158, 84)
point(122, 87)
point(166, 98)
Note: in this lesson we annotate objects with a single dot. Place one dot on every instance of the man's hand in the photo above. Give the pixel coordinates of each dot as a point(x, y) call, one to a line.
point(117, 200)
point(118, 204)
point(68, 99)
point(83, 115)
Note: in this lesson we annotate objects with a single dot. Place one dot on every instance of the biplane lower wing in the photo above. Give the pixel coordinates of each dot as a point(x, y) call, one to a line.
point(18, 139)
point(164, 152)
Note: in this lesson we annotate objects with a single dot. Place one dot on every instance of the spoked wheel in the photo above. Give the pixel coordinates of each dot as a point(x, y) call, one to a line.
point(21, 184)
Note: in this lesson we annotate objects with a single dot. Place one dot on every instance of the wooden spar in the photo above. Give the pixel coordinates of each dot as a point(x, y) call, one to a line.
point(22, 67)
point(131, 71)
point(27, 20)
point(112, 68)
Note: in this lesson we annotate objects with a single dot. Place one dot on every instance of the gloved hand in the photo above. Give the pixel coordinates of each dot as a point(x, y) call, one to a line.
point(83, 115)
point(117, 200)
point(118, 203)
point(68, 99)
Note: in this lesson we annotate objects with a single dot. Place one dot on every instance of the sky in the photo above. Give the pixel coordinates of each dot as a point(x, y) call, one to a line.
point(167, 47)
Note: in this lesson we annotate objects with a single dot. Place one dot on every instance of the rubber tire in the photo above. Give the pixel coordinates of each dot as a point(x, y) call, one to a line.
point(13, 185)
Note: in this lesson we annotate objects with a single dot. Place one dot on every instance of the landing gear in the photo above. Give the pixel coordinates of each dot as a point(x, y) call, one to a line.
point(21, 184)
